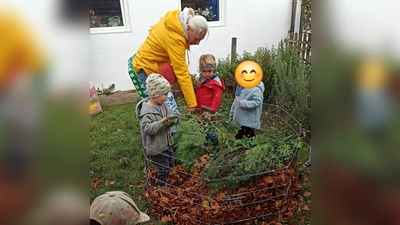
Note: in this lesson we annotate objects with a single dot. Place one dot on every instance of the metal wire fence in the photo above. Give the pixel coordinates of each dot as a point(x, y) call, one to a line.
point(234, 196)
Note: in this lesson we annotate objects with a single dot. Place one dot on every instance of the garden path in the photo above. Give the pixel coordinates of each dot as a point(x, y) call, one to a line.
point(119, 97)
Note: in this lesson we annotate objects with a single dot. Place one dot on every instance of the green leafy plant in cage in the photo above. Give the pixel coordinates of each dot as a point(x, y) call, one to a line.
point(233, 160)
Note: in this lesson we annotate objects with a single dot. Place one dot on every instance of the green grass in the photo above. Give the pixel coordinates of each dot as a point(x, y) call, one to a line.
point(116, 155)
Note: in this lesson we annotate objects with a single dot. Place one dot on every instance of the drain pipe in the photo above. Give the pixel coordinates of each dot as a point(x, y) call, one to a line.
point(293, 19)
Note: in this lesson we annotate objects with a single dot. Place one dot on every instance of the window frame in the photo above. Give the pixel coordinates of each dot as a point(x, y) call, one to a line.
point(119, 29)
point(221, 11)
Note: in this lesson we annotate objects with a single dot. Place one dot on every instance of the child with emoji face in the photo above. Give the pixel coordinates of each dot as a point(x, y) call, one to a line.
point(247, 107)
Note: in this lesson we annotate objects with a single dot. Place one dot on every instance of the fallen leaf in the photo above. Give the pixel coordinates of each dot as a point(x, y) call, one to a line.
point(258, 207)
point(107, 182)
point(278, 203)
point(306, 208)
point(303, 219)
point(269, 179)
point(112, 182)
point(141, 181)
point(203, 160)
point(307, 194)
point(164, 219)
point(297, 185)
point(206, 203)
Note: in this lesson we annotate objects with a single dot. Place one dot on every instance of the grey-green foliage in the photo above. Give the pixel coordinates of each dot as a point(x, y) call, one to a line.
point(306, 19)
point(291, 84)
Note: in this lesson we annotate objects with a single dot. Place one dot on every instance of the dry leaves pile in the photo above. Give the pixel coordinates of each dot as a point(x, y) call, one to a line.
point(188, 200)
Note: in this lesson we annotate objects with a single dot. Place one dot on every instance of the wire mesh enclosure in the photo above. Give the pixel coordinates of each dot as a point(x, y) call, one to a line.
point(249, 184)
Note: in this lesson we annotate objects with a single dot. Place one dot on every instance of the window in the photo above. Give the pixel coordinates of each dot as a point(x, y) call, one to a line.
point(210, 9)
point(107, 16)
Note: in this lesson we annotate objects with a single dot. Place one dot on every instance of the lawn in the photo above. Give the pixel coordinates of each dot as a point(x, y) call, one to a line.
point(116, 158)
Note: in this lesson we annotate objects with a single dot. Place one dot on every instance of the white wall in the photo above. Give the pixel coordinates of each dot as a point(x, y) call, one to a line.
point(255, 23)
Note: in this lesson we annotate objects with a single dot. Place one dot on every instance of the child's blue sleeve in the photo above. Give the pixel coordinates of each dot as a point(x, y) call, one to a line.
point(170, 101)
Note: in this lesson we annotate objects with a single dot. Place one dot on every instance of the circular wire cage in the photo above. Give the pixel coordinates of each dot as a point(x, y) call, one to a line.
point(227, 191)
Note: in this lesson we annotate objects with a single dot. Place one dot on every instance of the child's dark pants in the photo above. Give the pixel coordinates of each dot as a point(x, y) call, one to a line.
point(245, 131)
point(164, 163)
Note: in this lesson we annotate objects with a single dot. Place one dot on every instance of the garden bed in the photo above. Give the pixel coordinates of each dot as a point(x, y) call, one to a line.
point(238, 182)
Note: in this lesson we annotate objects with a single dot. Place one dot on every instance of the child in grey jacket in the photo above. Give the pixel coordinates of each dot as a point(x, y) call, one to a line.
point(246, 109)
point(155, 123)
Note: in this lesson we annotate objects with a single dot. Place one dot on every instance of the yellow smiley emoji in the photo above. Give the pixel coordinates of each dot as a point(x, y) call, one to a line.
point(248, 74)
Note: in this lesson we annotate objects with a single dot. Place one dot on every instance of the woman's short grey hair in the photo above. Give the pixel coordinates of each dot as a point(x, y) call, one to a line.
point(198, 24)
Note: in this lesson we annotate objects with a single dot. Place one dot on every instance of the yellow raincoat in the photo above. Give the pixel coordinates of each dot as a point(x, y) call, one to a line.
point(20, 54)
point(166, 43)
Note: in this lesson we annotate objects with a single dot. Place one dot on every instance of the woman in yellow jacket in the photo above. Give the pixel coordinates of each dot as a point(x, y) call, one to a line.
point(168, 42)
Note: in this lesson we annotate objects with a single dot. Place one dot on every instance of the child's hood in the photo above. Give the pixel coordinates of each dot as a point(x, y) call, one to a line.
point(261, 86)
point(173, 23)
point(250, 90)
point(143, 109)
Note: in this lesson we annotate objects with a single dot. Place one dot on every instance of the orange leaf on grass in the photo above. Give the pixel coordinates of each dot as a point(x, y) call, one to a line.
point(297, 185)
point(307, 194)
point(203, 160)
point(306, 207)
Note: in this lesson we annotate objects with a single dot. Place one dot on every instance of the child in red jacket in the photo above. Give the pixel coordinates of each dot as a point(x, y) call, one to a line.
point(210, 87)
point(209, 90)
